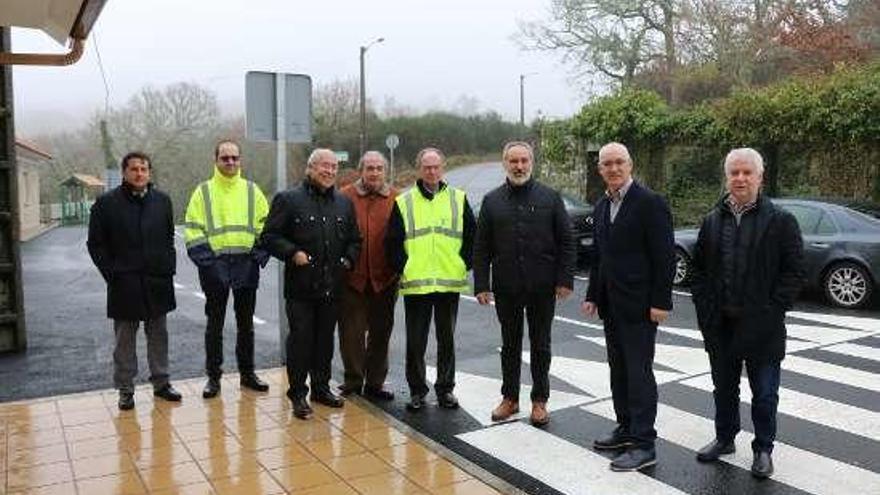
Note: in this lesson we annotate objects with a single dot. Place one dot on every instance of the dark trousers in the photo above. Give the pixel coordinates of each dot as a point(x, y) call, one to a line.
point(538, 309)
point(215, 309)
point(764, 382)
point(630, 347)
point(419, 310)
point(364, 329)
point(125, 364)
point(310, 345)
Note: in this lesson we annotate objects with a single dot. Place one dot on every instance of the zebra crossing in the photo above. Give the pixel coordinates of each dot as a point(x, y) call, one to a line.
point(829, 417)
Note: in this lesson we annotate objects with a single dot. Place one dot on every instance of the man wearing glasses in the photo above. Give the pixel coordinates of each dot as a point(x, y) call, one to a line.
point(224, 219)
point(312, 229)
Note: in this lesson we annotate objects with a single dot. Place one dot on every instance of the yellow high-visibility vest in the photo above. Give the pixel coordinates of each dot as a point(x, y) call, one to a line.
point(227, 213)
point(433, 241)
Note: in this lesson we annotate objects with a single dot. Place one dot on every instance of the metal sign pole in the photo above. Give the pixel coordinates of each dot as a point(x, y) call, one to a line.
point(280, 186)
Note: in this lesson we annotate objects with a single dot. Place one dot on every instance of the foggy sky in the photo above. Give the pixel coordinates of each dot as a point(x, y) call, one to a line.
point(437, 54)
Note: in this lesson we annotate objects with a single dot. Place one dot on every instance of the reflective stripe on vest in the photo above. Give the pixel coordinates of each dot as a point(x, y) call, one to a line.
point(434, 262)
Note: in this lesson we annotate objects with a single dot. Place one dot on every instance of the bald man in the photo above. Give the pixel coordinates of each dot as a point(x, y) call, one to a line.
point(631, 290)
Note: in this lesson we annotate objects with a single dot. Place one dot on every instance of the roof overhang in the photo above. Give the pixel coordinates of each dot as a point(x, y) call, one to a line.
point(60, 19)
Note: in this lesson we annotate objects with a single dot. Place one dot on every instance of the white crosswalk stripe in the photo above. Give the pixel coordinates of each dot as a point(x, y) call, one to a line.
point(819, 410)
point(796, 467)
point(832, 372)
point(560, 464)
point(855, 350)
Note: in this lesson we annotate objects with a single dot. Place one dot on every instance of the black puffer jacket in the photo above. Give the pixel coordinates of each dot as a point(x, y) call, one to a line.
point(131, 241)
point(524, 234)
point(771, 278)
point(323, 225)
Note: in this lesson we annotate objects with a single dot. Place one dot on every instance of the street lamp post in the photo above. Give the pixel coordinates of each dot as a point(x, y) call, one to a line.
point(522, 98)
point(363, 141)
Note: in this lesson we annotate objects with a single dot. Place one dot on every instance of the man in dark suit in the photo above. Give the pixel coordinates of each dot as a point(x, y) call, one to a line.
point(631, 289)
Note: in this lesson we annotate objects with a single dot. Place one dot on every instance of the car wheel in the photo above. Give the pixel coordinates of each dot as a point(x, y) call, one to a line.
point(848, 285)
point(682, 268)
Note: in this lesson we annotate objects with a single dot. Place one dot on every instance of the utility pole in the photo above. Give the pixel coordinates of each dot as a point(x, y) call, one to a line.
point(522, 98)
point(363, 136)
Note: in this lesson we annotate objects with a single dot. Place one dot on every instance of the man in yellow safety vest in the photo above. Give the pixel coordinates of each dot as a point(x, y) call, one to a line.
point(429, 243)
point(224, 219)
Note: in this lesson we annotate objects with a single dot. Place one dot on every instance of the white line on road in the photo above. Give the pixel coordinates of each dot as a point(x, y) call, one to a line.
point(856, 322)
point(687, 360)
point(681, 293)
point(855, 350)
point(796, 467)
point(832, 414)
point(559, 463)
point(832, 372)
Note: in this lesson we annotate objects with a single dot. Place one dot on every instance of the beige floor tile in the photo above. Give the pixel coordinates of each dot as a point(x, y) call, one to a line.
point(34, 439)
point(358, 465)
point(36, 476)
point(357, 423)
point(195, 489)
point(214, 447)
point(201, 431)
point(76, 404)
point(89, 431)
point(172, 475)
point(95, 448)
point(340, 488)
point(407, 454)
point(60, 489)
point(329, 413)
point(391, 483)
point(94, 467)
point(28, 409)
point(334, 447)
point(229, 466)
point(470, 487)
point(248, 484)
point(116, 484)
point(85, 416)
point(31, 424)
point(265, 439)
point(34, 457)
point(379, 438)
point(304, 476)
point(173, 454)
point(288, 455)
point(311, 430)
point(435, 474)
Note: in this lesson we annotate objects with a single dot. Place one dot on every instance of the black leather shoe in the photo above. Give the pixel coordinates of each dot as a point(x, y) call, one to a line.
point(447, 401)
point(302, 409)
point(715, 449)
point(253, 382)
point(168, 393)
point(762, 466)
point(416, 403)
point(378, 393)
point(212, 388)
point(634, 459)
point(329, 399)
point(612, 441)
point(126, 401)
point(347, 389)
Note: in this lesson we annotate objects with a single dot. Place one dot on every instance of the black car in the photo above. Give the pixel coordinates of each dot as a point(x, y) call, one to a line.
point(581, 214)
point(841, 250)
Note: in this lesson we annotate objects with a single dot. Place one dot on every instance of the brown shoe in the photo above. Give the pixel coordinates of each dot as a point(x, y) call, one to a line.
point(540, 416)
point(506, 409)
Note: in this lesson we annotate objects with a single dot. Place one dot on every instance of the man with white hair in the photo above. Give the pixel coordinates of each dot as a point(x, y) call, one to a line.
point(747, 271)
point(524, 244)
point(631, 290)
point(313, 230)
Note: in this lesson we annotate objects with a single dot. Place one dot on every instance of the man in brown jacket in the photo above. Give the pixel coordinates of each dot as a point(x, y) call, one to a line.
point(371, 292)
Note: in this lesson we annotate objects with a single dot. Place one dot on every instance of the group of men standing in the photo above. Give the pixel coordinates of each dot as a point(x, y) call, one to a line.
point(349, 253)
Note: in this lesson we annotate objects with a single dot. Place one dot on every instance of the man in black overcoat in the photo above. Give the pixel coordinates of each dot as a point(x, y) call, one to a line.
point(131, 242)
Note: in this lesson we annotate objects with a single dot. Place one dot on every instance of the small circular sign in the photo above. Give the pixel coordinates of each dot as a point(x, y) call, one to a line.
point(392, 141)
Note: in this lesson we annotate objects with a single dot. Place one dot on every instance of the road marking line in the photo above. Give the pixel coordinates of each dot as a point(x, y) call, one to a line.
point(832, 372)
point(796, 467)
point(687, 360)
point(818, 410)
point(682, 293)
point(560, 464)
point(854, 322)
point(855, 350)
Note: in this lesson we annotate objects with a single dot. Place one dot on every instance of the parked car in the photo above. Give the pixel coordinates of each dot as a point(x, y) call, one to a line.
point(841, 250)
point(581, 214)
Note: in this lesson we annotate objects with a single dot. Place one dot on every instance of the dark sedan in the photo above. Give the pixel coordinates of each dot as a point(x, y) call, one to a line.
point(841, 248)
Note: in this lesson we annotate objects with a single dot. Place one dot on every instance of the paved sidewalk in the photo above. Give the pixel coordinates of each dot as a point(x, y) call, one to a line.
point(239, 443)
